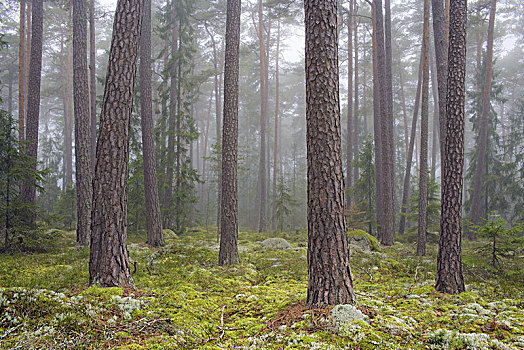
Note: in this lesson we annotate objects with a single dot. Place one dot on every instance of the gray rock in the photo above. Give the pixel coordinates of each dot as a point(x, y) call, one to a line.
point(341, 315)
point(276, 243)
point(360, 242)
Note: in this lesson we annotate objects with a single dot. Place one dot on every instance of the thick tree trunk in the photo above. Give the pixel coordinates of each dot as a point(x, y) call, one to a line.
point(386, 119)
point(92, 80)
point(449, 259)
point(228, 253)
point(411, 146)
point(33, 95)
point(21, 73)
point(480, 170)
point(330, 281)
point(349, 122)
point(109, 258)
point(423, 172)
point(84, 189)
point(155, 236)
point(275, 141)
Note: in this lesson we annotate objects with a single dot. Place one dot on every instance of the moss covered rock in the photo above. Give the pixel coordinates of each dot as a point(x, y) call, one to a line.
point(276, 243)
point(363, 240)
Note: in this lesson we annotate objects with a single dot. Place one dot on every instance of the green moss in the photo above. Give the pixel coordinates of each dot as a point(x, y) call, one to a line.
point(102, 293)
point(373, 242)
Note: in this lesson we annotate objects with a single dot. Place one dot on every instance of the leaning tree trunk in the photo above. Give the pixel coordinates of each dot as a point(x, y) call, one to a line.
point(109, 258)
point(84, 189)
point(155, 236)
point(330, 281)
point(228, 253)
point(478, 184)
point(423, 170)
point(449, 259)
point(33, 96)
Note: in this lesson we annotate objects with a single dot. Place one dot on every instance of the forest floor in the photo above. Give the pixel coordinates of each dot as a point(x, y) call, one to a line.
point(183, 300)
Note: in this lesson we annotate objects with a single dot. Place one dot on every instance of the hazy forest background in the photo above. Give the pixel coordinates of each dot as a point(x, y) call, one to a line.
point(172, 293)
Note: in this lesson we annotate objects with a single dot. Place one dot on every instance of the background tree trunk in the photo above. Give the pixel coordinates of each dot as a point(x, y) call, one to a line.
point(330, 281)
point(84, 189)
point(478, 185)
point(155, 236)
point(68, 115)
point(33, 95)
point(423, 172)
point(228, 253)
point(92, 80)
point(21, 73)
point(275, 144)
point(349, 122)
point(449, 259)
point(109, 258)
point(356, 125)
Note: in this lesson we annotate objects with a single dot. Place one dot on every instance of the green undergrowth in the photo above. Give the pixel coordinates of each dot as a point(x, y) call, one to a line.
point(183, 300)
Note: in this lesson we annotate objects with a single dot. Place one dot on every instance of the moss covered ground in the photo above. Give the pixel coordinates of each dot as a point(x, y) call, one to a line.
point(183, 300)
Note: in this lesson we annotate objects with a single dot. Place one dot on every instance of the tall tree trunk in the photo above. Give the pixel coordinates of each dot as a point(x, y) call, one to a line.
point(440, 35)
point(228, 253)
point(172, 123)
point(84, 189)
point(409, 154)
point(109, 258)
point(404, 109)
point(28, 49)
point(388, 224)
point(155, 236)
point(275, 144)
point(355, 105)
point(376, 131)
point(68, 130)
point(329, 275)
point(434, 94)
point(423, 172)
point(349, 125)
point(449, 260)
point(204, 156)
point(92, 80)
point(21, 73)
point(33, 95)
point(478, 185)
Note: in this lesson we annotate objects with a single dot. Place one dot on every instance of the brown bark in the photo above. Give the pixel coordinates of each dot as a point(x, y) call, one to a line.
point(204, 155)
point(21, 73)
point(440, 30)
point(92, 80)
point(68, 113)
point(228, 253)
point(261, 187)
point(329, 275)
point(84, 189)
point(404, 109)
point(33, 95)
point(109, 258)
point(449, 260)
point(28, 48)
point(388, 225)
point(349, 122)
point(478, 184)
point(434, 94)
point(411, 146)
point(155, 236)
point(355, 104)
point(423, 170)
point(275, 141)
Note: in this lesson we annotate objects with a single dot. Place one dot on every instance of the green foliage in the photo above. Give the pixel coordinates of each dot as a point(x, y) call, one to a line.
point(364, 187)
point(498, 240)
point(65, 209)
point(284, 203)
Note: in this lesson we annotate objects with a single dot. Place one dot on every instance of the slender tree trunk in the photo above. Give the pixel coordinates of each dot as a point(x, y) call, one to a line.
point(261, 192)
point(28, 50)
point(376, 132)
point(84, 189)
point(409, 154)
point(478, 184)
point(204, 156)
point(21, 73)
point(33, 95)
point(388, 225)
point(449, 260)
point(109, 258)
point(329, 275)
point(423, 172)
point(275, 144)
point(228, 253)
point(404, 110)
point(440, 35)
point(68, 130)
point(92, 80)
point(349, 125)
point(435, 131)
point(155, 236)
point(355, 105)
